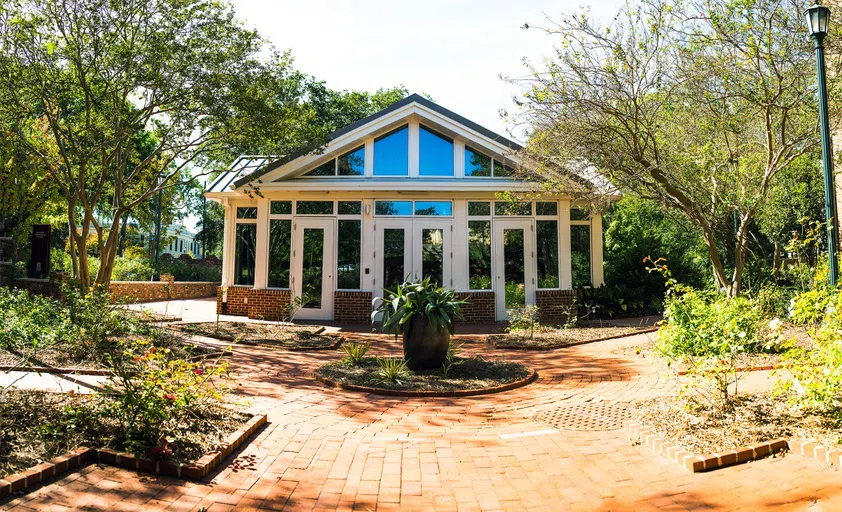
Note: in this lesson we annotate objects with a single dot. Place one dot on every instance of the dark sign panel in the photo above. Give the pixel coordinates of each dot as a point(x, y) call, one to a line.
point(39, 266)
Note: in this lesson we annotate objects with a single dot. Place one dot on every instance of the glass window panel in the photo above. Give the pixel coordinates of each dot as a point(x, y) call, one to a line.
point(477, 209)
point(435, 154)
point(476, 164)
point(246, 213)
point(479, 254)
point(546, 232)
point(433, 208)
point(393, 258)
point(580, 253)
point(432, 255)
point(280, 239)
point(281, 207)
point(314, 207)
point(352, 163)
point(513, 268)
point(312, 270)
point(326, 169)
point(546, 208)
point(348, 255)
point(579, 214)
point(391, 153)
point(502, 171)
point(349, 207)
point(393, 207)
point(509, 208)
point(244, 254)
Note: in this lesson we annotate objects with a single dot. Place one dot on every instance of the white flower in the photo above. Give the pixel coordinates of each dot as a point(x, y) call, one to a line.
point(775, 324)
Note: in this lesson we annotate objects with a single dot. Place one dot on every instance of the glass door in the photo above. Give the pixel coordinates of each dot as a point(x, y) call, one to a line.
point(313, 268)
point(393, 256)
point(432, 253)
point(514, 270)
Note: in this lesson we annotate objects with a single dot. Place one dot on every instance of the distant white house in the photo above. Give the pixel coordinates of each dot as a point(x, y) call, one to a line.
point(177, 241)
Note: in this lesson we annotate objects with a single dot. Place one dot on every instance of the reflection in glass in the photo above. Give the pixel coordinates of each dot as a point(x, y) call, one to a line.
point(502, 171)
point(546, 232)
point(281, 207)
point(479, 254)
point(434, 208)
point(244, 254)
point(546, 208)
point(314, 207)
point(579, 214)
point(280, 237)
point(326, 169)
point(391, 153)
point(513, 268)
point(348, 256)
point(435, 154)
point(432, 255)
point(512, 208)
point(246, 212)
point(312, 258)
point(352, 163)
point(393, 207)
point(476, 164)
point(349, 207)
point(477, 209)
point(393, 258)
point(580, 253)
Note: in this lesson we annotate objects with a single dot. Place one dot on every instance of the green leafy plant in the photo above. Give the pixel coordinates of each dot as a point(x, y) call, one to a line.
point(524, 318)
point(392, 369)
point(452, 359)
point(354, 353)
point(410, 299)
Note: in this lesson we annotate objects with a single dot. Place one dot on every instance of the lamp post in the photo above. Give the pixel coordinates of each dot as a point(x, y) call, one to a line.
point(818, 18)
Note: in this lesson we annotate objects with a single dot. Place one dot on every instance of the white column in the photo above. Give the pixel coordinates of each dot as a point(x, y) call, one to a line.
point(261, 257)
point(367, 245)
point(459, 244)
point(597, 271)
point(458, 159)
point(414, 155)
point(368, 161)
point(228, 234)
point(564, 258)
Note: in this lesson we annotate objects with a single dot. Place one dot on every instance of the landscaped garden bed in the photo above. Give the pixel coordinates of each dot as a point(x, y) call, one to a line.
point(545, 338)
point(286, 336)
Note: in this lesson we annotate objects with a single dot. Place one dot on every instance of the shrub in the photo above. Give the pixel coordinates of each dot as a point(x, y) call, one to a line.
point(183, 271)
point(618, 300)
point(354, 353)
point(524, 319)
point(392, 369)
point(32, 321)
point(437, 304)
point(810, 307)
point(132, 269)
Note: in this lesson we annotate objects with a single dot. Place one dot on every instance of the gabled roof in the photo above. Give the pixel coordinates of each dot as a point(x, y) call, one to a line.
point(240, 178)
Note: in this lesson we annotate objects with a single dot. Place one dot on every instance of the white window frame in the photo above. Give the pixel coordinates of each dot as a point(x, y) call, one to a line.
point(490, 219)
point(556, 218)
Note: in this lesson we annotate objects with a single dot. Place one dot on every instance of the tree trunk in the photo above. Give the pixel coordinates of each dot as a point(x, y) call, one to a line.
point(777, 261)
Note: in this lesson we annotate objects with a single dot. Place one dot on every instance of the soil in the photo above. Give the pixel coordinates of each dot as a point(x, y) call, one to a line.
point(472, 373)
point(38, 426)
point(291, 337)
point(547, 339)
point(703, 428)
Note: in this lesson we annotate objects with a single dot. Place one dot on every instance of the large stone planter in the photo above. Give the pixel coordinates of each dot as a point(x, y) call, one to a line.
point(424, 347)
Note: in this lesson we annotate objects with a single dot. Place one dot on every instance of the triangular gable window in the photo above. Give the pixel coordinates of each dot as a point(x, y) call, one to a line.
point(351, 163)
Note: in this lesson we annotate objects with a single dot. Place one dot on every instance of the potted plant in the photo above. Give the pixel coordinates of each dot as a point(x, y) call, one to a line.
point(423, 313)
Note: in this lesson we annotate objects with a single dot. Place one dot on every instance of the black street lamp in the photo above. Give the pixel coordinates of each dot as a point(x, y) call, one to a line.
point(818, 18)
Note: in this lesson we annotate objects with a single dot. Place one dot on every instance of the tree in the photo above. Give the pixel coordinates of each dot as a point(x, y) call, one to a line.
point(89, 77)
point(697, 105)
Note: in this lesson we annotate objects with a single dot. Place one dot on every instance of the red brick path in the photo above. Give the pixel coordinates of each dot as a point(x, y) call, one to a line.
point(332, 450)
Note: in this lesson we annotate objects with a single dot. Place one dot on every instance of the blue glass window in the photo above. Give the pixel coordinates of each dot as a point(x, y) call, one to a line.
point(434, 208)
point(393, 207)
point(391, 153)
point(326, 169)
point(476, 164)
point(436, 154)
point(352, 163)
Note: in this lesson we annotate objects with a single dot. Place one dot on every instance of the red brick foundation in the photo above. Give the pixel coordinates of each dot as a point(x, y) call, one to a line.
point(480, 309)
point(352, 307)
point(259, 304)
point(147, 291)
point(554, 306)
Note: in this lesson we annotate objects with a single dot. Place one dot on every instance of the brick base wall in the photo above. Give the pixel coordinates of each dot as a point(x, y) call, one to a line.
point(352, 307)
point(259, 304)
point(554, 305)
point(481, 307)
point(237, 303)
point(148, 291)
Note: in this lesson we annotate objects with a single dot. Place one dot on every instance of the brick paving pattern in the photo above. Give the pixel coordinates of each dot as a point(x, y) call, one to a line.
point(326, 449)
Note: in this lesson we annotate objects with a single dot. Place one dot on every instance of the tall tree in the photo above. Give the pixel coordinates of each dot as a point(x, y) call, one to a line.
point(695, 104)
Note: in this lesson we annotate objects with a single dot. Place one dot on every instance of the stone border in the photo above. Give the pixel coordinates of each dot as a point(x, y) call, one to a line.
point(532, 377)
point(257, 343)
point(816, 451)
point(82, 456)
point(695, 463)
point(575, 343)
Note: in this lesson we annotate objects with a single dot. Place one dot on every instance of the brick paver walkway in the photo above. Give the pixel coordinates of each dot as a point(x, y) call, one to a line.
point(331, 450)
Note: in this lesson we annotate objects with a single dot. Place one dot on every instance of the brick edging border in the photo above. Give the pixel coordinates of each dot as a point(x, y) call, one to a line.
point(257, 343)
point(59, 370)
point(82, 456)
point(576, 343)
point(744, 369)
point(532, 377)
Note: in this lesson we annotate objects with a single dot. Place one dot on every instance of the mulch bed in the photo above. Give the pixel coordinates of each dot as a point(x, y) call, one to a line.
point(470, 374)
point(700, 428)
point(37, 426)
point(548, 339)
point(290, 337)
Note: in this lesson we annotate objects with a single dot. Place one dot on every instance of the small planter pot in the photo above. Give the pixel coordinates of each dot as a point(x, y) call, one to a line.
point(425, 346)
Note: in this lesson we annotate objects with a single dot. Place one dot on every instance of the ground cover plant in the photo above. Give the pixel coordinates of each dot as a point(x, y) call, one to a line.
point(282, 335)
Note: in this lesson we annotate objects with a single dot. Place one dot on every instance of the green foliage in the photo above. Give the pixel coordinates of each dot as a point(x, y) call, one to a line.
point(354, 353)
point(524, 319)
point(392, 369)
point(426, 298)
point(32, 321)
point(619, 300)
point(453, 358)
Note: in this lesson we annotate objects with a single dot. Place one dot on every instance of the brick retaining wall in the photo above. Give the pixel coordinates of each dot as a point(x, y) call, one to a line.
point(352, 307)
point(554, 305)
point(148, 291)
point(481, 307)
point(259, 304)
